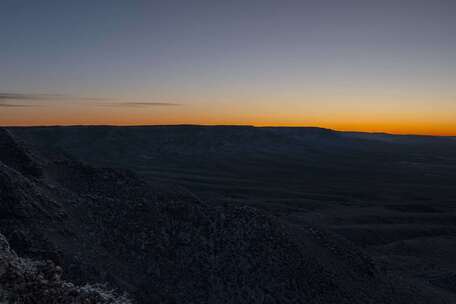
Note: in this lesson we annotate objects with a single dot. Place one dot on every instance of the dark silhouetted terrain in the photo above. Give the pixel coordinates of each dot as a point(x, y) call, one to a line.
point(189, 214)
point(28, 281)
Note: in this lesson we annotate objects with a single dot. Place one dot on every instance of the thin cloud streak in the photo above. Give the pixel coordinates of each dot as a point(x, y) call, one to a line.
point(11, 105)
point(23, 96)
point(139, 104)
point(20, 96)
point(11, 98)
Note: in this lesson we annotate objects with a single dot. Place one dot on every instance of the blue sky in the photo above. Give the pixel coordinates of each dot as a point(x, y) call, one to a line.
point(368, 65)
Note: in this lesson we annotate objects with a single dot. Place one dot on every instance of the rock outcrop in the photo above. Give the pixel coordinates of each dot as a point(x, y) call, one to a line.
point(27, 281)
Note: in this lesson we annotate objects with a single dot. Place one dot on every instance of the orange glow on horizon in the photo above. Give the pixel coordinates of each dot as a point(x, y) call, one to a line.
point(349, 127)
point(76, 115)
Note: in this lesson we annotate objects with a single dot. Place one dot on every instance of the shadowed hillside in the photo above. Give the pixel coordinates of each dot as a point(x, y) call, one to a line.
point(391, 195)
point(308, 165)
point(164, 245)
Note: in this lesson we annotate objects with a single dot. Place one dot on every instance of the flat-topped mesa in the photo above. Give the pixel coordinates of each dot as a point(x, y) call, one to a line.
point(16, 156)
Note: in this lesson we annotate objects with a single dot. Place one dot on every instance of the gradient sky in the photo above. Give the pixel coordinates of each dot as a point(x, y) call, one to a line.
point(349, 65)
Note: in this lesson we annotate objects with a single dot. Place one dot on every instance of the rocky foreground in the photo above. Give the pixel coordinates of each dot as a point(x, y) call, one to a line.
point(163, 245)
point(29, 281)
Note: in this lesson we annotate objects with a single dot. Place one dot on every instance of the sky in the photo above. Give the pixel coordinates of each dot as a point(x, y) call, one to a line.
point(380, 66)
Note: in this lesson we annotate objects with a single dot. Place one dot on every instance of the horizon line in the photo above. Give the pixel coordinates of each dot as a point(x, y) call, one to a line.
point(227, 125)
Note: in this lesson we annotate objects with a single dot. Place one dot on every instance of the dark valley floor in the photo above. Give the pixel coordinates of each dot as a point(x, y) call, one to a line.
point(190, 214)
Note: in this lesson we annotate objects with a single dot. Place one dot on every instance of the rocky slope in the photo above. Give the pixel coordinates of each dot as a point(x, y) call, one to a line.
point(28, 281)
point(163, 245)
